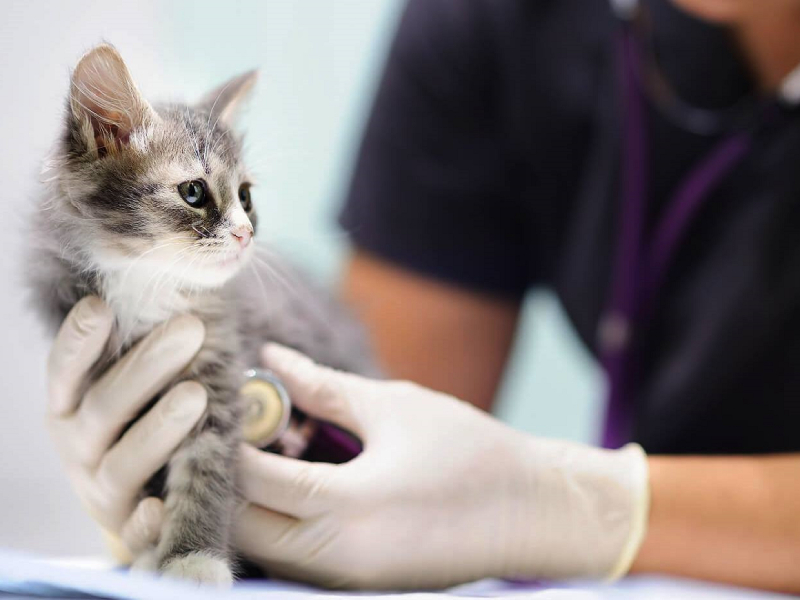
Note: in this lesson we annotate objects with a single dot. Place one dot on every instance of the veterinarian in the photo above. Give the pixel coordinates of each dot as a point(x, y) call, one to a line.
point(641, 160)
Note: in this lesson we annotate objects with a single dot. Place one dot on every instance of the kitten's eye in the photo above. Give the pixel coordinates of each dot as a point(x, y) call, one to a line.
point(194, 193)
point(244, 197)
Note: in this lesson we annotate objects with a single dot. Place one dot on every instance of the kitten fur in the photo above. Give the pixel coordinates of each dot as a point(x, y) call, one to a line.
point(111, 222)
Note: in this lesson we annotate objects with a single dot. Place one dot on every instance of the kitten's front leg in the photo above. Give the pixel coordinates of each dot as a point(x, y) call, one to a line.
point(201, 494)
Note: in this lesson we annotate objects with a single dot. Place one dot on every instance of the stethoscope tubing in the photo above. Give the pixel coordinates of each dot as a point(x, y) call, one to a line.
point(640, 270)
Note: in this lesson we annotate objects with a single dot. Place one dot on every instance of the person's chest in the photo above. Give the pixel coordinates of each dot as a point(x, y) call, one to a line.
point(716, 357)
point(714, 354)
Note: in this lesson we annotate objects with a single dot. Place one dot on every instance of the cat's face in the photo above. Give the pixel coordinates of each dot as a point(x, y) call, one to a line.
point(157, 192)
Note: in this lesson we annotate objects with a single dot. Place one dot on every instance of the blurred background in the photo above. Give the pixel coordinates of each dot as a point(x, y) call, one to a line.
point(319, 62)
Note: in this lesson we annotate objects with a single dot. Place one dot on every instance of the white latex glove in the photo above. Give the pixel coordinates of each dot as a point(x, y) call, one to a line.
point(108, 471)
point(443, 493)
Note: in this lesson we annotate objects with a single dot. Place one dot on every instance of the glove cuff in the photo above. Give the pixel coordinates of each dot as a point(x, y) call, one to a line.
point(117, 549)
point(640, 510)
point(588, 509)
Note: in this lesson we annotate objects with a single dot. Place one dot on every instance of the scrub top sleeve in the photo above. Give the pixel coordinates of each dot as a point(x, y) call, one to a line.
point(431, 190)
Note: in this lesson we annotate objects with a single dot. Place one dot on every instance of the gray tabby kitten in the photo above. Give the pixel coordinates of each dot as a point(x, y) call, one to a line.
point(149, 207)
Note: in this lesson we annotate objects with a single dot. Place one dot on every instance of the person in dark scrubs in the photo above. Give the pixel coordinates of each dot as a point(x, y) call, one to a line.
point(640, 159)
point(497, 160)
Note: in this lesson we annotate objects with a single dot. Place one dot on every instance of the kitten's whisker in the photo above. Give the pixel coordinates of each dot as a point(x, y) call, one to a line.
point(200, 230)
point(270, 269)
point(252, 265)
point(170, 242)
point(275, 274)
point(210, 113)
point(213, 127)
point(192, 136)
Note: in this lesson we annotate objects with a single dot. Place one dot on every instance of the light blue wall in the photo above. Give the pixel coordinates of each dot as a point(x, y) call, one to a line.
point(552, 387)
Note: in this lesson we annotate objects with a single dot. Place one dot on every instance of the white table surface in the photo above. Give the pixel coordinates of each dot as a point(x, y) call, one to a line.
point(25, 575)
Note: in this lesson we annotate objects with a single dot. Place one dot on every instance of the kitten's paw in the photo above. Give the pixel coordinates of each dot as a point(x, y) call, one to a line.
point(199, 567)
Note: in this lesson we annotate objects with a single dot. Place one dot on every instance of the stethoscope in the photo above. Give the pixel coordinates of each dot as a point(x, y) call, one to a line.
point(267, 407)
point(640, 265)
point(271, 423)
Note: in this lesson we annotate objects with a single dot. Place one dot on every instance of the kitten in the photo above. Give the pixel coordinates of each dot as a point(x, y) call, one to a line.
point(150, 208)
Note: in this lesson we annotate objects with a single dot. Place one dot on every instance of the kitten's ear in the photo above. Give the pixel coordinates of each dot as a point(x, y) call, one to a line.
point(104, 101)
point(223, 102)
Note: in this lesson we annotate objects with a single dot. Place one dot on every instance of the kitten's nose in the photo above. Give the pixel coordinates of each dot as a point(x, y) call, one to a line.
point(243, 234)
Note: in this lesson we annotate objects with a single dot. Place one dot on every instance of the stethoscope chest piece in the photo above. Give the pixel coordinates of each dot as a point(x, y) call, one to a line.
point(270, 423)
point(267, 408)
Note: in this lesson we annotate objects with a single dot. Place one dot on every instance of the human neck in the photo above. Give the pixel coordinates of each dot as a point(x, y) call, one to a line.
point(770, 42)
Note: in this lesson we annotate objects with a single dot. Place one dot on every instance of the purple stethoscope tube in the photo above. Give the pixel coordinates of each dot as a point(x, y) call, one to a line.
point(641, 264)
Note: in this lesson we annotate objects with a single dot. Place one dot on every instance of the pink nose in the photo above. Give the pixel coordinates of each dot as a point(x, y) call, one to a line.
point(243, 234)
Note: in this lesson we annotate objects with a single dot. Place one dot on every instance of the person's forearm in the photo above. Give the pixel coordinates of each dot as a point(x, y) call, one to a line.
point(728, 519)
point(433, 333)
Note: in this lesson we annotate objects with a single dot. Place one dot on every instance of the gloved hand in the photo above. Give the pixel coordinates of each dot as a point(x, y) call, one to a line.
point(106, 471)
point(443, 493)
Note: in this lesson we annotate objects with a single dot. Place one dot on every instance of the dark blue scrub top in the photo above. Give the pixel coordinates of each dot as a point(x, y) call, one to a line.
point(491, 160)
